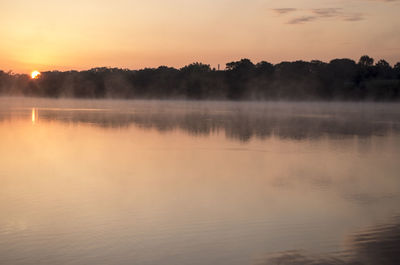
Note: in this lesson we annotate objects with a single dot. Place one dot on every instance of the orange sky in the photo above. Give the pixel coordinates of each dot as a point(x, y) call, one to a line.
point(50, 35)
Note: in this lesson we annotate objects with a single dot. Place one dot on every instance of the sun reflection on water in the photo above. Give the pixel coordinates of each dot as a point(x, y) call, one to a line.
point(34, 115)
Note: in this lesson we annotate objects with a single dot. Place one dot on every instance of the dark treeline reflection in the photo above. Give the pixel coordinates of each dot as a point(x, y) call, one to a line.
point(377, 245)
point(242, 121)
point(340, 79)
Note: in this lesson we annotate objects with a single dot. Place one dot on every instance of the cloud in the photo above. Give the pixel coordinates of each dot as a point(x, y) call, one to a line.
point(321, 13)
point(301, 20)
point(284, 10)
point(353, 17)
point(337, 13)
point(327, 12)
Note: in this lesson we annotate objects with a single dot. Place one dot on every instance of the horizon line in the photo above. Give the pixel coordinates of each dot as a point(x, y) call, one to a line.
point(212, 67)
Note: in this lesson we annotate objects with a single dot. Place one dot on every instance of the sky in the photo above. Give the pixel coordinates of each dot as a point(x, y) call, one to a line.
point(63, 35)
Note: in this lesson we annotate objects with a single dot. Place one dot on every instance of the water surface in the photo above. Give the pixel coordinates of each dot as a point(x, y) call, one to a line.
point(172, 182)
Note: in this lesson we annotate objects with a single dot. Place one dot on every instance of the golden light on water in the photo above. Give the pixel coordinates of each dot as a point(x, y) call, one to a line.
point(35, 74)
point(34, 114)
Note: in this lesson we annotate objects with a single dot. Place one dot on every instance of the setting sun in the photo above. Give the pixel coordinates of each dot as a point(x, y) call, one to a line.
point(35, 74)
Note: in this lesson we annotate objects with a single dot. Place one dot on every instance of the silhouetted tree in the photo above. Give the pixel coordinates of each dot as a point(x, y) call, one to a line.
point(340, 79)
point(396, 69)
point(383, 69)
point(195, 80)
point(366, 61)
point(265, 68)
point(238, 75)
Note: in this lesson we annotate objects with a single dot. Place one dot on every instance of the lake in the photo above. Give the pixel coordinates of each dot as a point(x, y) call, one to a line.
point(185, 182)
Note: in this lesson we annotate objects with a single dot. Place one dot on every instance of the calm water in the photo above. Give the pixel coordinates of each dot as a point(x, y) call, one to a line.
point(147, 182)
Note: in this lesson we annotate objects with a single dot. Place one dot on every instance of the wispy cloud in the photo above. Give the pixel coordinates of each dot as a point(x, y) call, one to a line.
point(321, 13)
point(353, 17)
point(327, 12)
point(301, 20)
point(337, 13)
point(284, 10)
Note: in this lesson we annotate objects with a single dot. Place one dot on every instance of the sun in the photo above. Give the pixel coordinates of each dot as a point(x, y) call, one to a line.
point(35, 74)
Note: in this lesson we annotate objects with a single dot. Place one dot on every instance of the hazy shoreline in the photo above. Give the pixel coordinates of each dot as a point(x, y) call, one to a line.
point(338, 80)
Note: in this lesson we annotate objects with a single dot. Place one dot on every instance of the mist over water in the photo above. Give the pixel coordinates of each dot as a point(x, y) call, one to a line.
point(238, 120)
point(182, 182)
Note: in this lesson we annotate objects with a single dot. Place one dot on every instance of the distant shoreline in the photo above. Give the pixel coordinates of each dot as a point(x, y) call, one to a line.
point(206, 100)
point(338, 80)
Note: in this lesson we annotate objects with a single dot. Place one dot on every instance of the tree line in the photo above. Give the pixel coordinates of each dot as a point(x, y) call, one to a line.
point(340, 79)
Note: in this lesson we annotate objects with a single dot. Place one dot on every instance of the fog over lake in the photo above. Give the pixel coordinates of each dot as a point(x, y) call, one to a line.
point(187, 182)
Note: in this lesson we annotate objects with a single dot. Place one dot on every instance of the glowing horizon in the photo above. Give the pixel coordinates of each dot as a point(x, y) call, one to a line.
point(48, 35)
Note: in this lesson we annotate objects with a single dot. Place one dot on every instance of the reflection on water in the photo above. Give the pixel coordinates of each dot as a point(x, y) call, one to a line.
point(122, 182)
point(377, 245)
point(241, 121)
point(35, 115)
